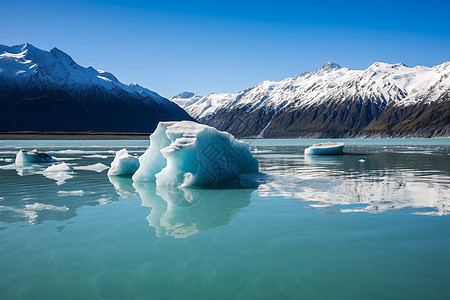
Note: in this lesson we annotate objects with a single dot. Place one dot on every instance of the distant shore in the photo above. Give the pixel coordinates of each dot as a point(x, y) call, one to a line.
point(32, 135)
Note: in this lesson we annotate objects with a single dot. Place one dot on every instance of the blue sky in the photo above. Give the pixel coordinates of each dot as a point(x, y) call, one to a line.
point(227, 46)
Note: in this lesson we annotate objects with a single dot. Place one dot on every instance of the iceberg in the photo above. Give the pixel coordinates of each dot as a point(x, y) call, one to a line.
point(32, 157)
point(190, 154)
point(123, 164)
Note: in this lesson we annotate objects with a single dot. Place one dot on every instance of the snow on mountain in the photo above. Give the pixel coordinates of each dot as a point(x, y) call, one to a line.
point(52, 78)
point(381, 85)
point(390, 82)
point(185, 99)
point(25, 63)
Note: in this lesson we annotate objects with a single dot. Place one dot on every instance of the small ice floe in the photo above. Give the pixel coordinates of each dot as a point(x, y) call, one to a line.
point(40, 206)
point(96, 156)
point(59, 172)
point(325, 149)
point(362, 160)
point(98, 167)
point(71, 151)
point(123, 164)
point(71, 193)
point(9, 160)
point(32, 157)
point(66, 158)
point(9, 167)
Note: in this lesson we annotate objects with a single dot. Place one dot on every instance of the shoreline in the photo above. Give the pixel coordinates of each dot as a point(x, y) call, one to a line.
point(30, 135)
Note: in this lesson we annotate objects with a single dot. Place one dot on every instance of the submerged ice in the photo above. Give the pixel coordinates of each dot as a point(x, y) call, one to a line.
point(190, 154)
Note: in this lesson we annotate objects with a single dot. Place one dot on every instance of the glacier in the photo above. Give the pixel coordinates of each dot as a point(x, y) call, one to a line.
point(123, 164)
point(190, 154)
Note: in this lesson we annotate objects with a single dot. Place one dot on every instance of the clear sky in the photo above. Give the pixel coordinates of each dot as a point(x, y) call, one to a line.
point(226, 46)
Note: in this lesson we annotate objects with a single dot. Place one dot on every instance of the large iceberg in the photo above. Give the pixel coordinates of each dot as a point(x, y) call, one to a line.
point(33, 156)
point(190, 154)
point(123, 164)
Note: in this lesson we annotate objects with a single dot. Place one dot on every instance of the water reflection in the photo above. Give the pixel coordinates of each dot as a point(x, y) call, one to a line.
point(376, 182)
point(123, 186)
point(183, 212)
point(28, 197)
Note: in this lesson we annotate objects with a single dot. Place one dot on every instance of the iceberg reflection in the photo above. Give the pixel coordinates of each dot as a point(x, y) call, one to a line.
point(123, 186)
point(183, 212)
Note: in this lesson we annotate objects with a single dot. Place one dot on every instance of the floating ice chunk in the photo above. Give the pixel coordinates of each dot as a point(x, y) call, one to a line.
point(98, 167)
point(40, 206)
point(190, 154)
point(325, 149)
point(362, 160)
point(59, 172)
point(9, 167)
point(124, 164)
point(32, 157)
point(96, 156)
point(71, 193)
point(58, 168)
point(66, 158)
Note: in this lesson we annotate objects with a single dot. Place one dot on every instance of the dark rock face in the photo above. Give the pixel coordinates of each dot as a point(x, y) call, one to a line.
point(339, 119)
point(239, 122)
point(37, 109)
point(382, 101)
point(47, 91)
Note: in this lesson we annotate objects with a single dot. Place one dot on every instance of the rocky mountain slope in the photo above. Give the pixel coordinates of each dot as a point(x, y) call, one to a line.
point(383, 100)
point(48, 91)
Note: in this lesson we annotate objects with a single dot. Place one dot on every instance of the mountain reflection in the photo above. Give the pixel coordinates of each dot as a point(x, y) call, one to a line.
point(183, 212)
point(372, 183)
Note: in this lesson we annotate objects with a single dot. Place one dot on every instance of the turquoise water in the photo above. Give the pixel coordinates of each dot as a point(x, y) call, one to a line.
point(371, 224)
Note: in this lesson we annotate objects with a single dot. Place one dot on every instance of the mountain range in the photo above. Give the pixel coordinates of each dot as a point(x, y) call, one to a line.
point(47, 91)
point(385, 100)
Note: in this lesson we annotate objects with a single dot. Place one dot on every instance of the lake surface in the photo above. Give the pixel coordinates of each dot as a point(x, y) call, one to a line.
point(371, 224)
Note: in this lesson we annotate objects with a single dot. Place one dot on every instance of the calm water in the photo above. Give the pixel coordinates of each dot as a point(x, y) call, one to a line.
point(371, 224)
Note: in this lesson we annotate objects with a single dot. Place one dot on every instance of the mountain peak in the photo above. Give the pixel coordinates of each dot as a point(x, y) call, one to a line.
point(61, 55)
point(184, 95)
point(329, 65)
point(383, 65)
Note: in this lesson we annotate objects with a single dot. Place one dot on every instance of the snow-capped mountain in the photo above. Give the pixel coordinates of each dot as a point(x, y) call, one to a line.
point(185, 99)
point(385, 99)
point(46, 90)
